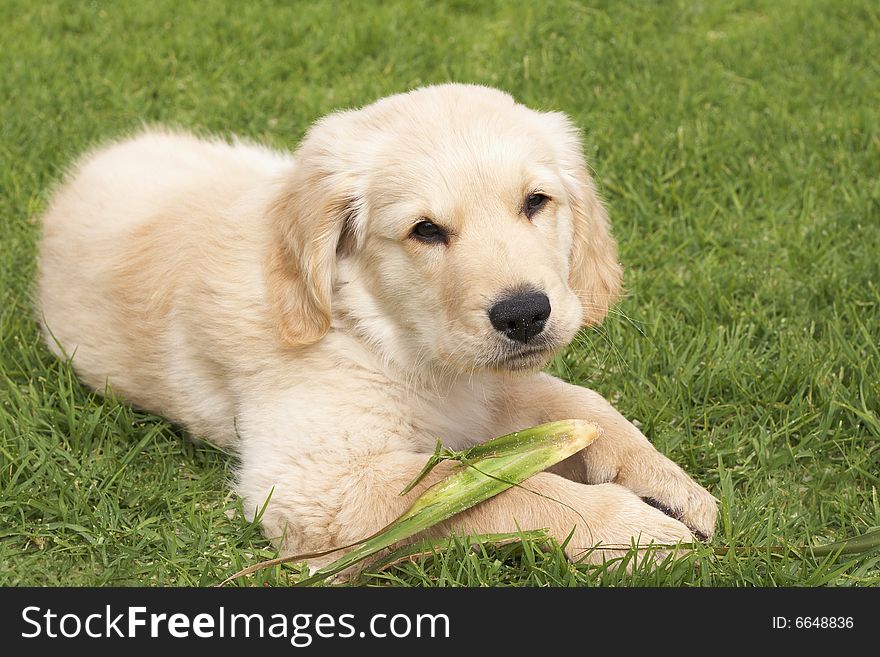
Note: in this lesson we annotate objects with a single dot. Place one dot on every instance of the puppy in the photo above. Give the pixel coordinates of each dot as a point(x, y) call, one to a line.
point(403, 276)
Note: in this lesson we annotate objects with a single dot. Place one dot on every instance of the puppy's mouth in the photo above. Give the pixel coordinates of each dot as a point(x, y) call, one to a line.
point(529, 357)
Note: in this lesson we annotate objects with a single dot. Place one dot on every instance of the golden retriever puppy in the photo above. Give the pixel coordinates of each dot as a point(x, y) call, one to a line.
point(403, 276)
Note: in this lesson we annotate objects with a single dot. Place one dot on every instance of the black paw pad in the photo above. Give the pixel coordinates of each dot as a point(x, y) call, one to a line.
point(672, 513)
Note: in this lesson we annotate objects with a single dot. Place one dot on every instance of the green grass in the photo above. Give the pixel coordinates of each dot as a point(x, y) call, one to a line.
point(737, 145)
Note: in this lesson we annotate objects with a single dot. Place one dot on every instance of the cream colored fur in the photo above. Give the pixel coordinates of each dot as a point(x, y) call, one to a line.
point(277, 304)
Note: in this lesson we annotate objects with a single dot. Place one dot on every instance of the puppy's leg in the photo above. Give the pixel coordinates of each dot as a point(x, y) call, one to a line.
point(336, 503)
point(621, 455)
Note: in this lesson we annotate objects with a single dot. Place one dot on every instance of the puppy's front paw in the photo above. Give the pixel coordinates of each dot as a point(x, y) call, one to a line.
point(668, 488)
point(698, 512)
point(626, 521)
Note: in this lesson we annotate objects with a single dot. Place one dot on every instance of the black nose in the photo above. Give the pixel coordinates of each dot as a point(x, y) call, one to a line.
point(522, 316)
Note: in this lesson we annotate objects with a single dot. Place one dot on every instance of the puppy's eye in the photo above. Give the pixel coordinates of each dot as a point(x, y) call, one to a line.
point(429, 232)
point(534, 203)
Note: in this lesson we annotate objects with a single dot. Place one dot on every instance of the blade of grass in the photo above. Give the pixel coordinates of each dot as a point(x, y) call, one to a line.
point(431, 546)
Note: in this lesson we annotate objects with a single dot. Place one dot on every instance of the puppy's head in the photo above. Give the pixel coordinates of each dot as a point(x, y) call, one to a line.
point(448, 226)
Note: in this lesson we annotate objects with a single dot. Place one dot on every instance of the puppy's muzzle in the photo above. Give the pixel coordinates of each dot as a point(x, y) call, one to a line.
point(521, 316)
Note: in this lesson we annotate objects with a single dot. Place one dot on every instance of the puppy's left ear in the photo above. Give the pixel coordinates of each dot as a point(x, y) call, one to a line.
point(311, 220)
point(595, 274)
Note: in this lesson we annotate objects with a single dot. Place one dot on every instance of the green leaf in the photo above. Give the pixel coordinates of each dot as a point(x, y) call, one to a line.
point(854, 545)
point(430, 465)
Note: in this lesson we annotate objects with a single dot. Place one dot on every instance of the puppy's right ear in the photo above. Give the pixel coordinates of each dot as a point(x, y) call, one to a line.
point(594, 272)
point(309, 218)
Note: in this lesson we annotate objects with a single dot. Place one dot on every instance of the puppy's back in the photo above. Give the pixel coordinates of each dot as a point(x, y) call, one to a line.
point(128, 236)
point(124, 183)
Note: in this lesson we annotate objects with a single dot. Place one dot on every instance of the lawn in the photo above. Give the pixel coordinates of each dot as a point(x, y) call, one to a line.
point(737, 145)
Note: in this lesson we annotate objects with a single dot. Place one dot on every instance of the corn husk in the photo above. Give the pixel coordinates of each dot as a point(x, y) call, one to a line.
point(482, 472)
